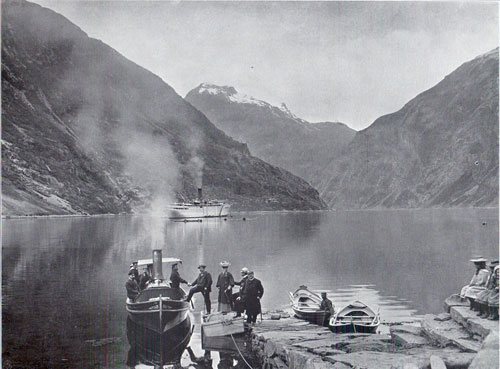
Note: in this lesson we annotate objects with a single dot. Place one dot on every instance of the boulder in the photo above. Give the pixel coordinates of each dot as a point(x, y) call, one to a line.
point(487, 357)
point(408, 336)
point(448, 333)
point(408, 340)
point(454, 300)
point(474, 324)
point(437, 362)
point(375, 360)
point(452, 356)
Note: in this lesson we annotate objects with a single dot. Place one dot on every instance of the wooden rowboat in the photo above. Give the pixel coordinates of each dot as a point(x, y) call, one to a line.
point(356, 317)
point(306, 305)
point(222, 332)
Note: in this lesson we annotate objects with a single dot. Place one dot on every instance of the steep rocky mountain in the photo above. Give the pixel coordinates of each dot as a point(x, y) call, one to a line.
point(439, 150)
point(272, 133)
point(84, 130)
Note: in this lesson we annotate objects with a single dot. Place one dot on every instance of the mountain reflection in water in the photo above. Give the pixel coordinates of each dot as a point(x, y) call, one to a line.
point(63, 294)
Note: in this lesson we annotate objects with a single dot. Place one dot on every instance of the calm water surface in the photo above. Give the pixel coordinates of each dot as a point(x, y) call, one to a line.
point(63, 278)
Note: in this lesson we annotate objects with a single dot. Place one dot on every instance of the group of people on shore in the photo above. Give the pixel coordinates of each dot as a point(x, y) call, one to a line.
point(482, 291)
point(246, 300)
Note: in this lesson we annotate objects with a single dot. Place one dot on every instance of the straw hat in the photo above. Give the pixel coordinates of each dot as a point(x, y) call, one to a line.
point(225, 264)
point(244, 270)
point(478, 259)
point(202, 265)
point(493, 263)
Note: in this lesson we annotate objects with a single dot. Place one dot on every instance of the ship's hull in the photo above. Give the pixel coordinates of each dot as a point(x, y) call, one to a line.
point(185, 211)
point(153, 348)
point(159, 326)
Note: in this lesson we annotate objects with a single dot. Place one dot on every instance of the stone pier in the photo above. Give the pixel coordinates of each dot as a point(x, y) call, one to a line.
point(457, 339)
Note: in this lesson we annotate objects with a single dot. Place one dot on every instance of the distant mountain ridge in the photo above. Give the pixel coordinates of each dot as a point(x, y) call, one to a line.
point(272, 133)
point(439, 150)
point(87, 131)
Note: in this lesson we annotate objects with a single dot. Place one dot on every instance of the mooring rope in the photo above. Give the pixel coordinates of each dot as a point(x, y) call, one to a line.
point(237, 348)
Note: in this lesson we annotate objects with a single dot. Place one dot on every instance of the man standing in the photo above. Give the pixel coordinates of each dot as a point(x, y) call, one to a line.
point(145, 278)
point(238, 304)
point(251, 295)
point(203, 284)
point(175, 277)
point(133, 268)
point(132, 287)
point(225, 283)
point(327, 305)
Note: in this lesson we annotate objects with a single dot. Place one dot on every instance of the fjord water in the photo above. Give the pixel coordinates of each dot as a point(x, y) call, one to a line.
point(63, 278)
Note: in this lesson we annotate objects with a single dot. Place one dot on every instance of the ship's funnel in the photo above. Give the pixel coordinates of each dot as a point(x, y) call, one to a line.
point(200, 195)
point(157, 265)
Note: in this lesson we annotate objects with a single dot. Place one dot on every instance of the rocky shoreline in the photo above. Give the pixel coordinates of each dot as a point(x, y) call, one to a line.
point(455, 339)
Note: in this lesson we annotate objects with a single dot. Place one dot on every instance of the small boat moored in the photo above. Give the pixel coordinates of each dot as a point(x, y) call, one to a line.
point(357, 317)
point(222, 332)
point(306, 305)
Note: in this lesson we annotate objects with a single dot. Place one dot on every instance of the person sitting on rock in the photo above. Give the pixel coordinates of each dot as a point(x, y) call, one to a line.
point(482, 297)
point(493, 298)
point(477, 283)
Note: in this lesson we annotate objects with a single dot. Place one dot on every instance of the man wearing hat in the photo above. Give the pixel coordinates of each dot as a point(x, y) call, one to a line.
point(175, 277)
point(251, 295)
point(132, 286)
point(145, 278)
point(477, 283)
point(482, 297)
point(238, 305)
point(203, 284)
point(225, 283)
point(133, 268)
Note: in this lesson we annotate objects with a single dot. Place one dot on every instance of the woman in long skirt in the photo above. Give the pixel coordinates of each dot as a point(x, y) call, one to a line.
point(225, 284)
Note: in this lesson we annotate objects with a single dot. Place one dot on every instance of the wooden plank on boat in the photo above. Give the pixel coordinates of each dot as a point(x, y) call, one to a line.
point(222, 325)
point(223, 343)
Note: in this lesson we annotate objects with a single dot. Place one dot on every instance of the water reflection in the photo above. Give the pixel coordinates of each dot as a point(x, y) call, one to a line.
point(63, 295)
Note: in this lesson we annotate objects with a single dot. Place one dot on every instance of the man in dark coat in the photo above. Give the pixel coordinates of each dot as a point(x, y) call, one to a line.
point(251, 295)
point(132, 287)
point(145, 278)
point(225, 283)
point(203, 284)
point(133, 268)
point(175, 277)
point(238, 304)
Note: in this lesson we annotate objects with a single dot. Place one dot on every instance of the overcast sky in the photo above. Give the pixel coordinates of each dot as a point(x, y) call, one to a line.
point(328, 61)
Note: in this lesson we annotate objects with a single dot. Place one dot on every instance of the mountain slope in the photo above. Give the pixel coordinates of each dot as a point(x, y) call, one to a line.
point(272, 133)
point(87, 131)
point(440, 149)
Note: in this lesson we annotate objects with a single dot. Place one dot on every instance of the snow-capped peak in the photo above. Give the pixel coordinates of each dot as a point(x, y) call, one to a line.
point(230, 93)
point(287, 111)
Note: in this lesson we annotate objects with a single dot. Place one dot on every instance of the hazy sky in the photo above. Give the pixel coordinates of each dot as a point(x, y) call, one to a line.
point(337, 61)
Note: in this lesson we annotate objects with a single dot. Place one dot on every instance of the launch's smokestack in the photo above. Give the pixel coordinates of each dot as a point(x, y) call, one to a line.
point(200, 195)
point(157, 265)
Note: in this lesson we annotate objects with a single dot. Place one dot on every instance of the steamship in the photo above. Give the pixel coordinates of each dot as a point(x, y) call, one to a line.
point(199, 208)
point(159, 325)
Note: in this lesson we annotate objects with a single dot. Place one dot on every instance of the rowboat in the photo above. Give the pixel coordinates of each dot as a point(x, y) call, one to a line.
point(306, 305)
point(222, 332)
point(356, 317)
point(159, 324)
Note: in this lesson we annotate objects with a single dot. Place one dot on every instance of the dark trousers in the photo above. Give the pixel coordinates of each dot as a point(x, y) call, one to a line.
point(206, 296)
point(252, 316)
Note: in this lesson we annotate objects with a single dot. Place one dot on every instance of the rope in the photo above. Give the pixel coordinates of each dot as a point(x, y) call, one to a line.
point(239, 352)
